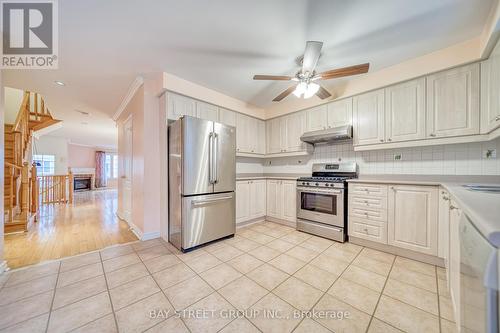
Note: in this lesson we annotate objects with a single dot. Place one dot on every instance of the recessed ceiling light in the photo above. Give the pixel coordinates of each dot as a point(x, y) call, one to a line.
point(60, 83)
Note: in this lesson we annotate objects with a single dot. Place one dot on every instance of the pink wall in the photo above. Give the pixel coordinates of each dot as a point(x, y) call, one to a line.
point(146, 160)
point(81, 156)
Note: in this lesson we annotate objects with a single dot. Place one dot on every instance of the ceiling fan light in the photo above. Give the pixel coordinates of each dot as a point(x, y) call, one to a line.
point(300, 89)
point(312, 89)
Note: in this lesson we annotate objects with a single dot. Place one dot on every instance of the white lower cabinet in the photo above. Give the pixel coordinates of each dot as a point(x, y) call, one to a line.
point(413, 218)
point(404, 216)
point(281, 199)
point(242, 201)
point(250, 199)
point(257, 198)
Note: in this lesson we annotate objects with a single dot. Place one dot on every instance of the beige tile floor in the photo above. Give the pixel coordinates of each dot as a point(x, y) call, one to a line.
point(270, 272)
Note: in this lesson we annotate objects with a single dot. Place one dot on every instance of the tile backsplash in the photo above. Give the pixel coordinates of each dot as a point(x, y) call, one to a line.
point(456, 159)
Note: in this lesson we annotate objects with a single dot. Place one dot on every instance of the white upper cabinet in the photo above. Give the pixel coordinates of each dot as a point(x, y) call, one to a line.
point(178, 105)
point(261, 139)
point(294, 127)
point(250, 135)
point(207, 111)
point(339, 113)
point(405, 111)
point(453, 102)
point(413, 218)
point(490, 96)
point(368, 118)
point(242, 133)
point(227, 117)
point(316, 118)
point(273, 129)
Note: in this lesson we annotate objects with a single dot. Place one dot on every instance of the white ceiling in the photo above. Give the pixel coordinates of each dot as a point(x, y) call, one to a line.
point(221, 44)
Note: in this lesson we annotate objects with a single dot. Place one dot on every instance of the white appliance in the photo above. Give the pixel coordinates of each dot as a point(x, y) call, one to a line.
point(479, 283)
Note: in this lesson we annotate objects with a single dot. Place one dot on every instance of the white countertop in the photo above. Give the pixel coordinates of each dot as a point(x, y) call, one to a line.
point(253, 176)
point(482, 208)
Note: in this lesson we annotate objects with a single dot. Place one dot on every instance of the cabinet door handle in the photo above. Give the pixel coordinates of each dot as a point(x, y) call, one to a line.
point(497, 118)
point(453, 207)
point(389, 139)
point(432, 134)
point(381, 140)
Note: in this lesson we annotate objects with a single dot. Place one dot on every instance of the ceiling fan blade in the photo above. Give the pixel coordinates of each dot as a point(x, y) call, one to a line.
point(311, 56)
point(345, 71)
point(284, 94)
point(272, 77)
point(323, 93)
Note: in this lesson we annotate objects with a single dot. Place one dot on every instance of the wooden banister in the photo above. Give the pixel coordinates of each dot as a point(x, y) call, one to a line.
point(56, 188)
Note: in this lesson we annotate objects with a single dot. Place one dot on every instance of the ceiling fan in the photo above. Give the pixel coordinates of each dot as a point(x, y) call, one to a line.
point(306, 76)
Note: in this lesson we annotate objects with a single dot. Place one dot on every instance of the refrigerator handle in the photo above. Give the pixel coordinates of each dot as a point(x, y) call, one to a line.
point(215, 158)
point(210, 158)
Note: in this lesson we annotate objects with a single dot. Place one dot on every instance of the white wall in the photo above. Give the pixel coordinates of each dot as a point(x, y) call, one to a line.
point(249, 165)
point(456, 159)
point(52, 145)
point(13, 99)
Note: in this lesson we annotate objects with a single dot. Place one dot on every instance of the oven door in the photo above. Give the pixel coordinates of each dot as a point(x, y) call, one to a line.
point(321, 205)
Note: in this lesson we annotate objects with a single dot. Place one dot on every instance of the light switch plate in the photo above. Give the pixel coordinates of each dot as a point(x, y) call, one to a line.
point(490, 153)
point(398, 157)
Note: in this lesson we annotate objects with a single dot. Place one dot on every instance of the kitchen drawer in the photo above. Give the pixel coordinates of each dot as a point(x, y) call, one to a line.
point(372, 214)
point(370, 230)
point(365, 201)
point(378, 190)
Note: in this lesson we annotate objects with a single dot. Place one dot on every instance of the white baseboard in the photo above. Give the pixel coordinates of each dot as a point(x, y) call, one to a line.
point(280, 221)
point(3, 267)
point(150, 235)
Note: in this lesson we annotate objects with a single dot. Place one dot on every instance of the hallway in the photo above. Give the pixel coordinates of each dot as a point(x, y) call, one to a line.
point(89, 224)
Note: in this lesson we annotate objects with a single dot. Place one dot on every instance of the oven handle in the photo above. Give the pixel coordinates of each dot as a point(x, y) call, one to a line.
point(309, 190)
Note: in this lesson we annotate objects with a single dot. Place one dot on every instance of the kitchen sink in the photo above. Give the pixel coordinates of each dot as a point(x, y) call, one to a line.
point(483, 188)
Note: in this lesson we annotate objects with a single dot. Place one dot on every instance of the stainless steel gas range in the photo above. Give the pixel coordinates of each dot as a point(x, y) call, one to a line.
point(322, 200)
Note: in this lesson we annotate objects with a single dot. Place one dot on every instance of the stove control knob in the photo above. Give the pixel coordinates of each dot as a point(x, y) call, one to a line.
point(303, 183)
point(317, 184)
point(328, 184)
point(307, 183)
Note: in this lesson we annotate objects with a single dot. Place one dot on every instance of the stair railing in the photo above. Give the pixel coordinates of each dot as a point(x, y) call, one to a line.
point(56, 188)
point(12, 194)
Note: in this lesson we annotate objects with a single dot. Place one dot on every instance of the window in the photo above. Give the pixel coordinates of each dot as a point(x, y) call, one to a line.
point(111, 166)
point(45, 164)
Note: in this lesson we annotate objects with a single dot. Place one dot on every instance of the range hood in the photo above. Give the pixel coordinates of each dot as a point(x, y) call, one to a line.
point(341, 133)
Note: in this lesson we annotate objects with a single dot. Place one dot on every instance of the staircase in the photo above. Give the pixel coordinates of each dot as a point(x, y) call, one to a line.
point(21, 184)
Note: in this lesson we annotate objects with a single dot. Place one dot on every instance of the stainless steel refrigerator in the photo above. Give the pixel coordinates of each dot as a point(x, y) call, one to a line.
point(202, 181)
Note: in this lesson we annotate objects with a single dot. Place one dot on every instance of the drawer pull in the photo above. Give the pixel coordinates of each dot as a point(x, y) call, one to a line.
point(365, 230)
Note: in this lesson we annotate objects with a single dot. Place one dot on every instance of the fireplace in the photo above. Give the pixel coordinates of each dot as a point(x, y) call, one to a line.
point(82, 184)
point(83, 178)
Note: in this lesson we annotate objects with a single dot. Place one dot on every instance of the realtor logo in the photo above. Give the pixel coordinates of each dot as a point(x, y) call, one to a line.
point(29, 34)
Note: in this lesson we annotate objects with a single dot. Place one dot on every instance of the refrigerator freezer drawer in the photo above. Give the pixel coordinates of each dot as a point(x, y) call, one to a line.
point(206, 218)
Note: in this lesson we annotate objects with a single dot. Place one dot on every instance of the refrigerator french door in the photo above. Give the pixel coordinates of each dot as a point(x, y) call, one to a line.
point(202, 178)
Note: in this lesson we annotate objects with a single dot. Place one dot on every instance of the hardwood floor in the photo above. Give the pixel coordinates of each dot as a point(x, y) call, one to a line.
point(90, 223)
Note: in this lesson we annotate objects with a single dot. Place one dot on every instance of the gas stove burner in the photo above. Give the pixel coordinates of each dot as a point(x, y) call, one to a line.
point(329, 175)
point(324, 179)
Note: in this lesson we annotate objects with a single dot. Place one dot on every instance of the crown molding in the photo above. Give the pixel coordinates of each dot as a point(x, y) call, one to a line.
point(136, 84)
